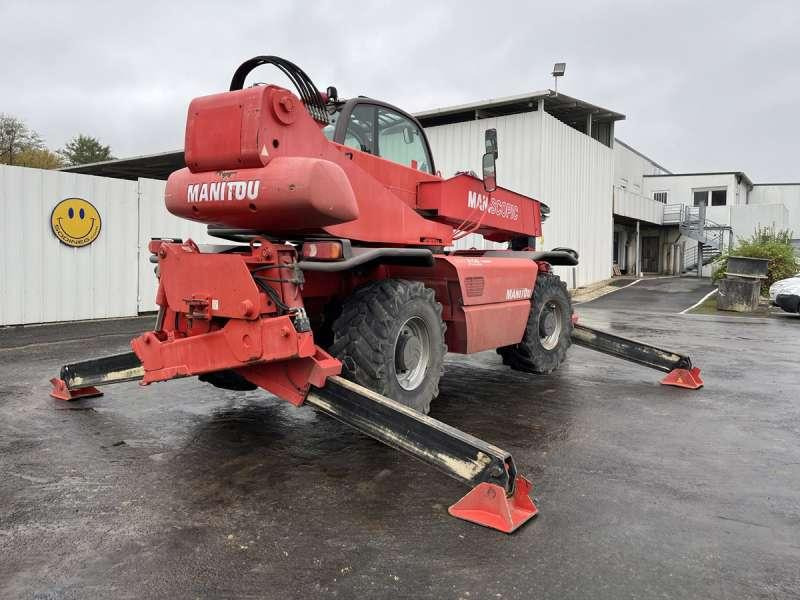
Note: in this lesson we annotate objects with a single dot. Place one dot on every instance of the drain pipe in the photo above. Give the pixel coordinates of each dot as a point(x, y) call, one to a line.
point(638, 252)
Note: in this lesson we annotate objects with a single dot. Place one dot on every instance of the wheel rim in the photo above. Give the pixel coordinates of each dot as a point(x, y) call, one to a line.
point(550, 325)
point(412, 353)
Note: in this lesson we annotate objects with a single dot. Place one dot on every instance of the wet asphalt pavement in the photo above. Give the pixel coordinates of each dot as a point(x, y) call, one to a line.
point(181, 490)
point(658, 294)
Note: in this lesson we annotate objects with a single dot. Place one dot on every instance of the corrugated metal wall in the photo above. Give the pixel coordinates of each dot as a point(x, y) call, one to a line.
point(42, 279)
point(460, 146)
point(635, 206)
point(577, 179)
point(156, 222)
point(786, 194)
point(541, 157)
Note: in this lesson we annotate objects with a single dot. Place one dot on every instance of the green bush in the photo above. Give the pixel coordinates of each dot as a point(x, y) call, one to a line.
point(766, 242)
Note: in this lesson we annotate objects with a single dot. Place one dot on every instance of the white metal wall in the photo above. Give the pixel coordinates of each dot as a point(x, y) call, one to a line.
point(42, 279)
point(577, 179)
point(541, 157)
point(679, 189)
point(786, 194)
point(156, 222)
point(635, 206)
point(745, 219)
point(630, 168)
point(460, 146)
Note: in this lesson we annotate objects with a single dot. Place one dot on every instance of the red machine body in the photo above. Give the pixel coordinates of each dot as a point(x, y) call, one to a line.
point(257, 160)
point(346, 269)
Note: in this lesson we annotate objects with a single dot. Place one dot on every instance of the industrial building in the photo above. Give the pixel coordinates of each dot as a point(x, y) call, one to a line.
point(621, 211)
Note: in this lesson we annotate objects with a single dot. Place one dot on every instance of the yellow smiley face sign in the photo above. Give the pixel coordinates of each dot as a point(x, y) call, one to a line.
point(75, 222)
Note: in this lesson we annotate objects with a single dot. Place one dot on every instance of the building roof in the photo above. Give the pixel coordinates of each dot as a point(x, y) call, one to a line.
point(565, 108)
point(740, 174)
point(569, 110)
point(150, 166)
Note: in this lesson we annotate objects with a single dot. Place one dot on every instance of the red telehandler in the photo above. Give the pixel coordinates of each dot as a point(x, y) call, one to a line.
point(340, 290)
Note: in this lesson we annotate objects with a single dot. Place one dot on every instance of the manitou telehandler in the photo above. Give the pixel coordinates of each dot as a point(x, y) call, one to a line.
point(341, 290)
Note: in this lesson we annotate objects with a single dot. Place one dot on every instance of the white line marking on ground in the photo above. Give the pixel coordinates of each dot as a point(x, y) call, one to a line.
point(699, 302)
point(634, 282)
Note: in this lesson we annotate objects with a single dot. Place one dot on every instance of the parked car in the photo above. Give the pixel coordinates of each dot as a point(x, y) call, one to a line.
point(786, 294)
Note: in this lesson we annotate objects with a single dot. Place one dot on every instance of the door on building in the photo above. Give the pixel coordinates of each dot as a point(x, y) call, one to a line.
point(650, 254)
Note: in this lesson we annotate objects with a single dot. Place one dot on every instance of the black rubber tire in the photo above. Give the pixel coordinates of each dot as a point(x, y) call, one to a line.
point(364, 337)
point(530, 356)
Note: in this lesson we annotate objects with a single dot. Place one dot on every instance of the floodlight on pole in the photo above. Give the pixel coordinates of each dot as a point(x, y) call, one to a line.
point(558, 71)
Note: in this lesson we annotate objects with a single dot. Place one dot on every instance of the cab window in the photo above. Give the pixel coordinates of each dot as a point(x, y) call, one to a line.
point(400, 140)
point(333, 117)
point(360, 128)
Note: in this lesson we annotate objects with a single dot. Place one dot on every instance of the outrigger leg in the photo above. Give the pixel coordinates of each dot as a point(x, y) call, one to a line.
point(678, 367)
point(499, 497)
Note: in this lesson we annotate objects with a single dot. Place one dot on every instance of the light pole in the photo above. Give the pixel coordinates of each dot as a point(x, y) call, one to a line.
point(558, 71)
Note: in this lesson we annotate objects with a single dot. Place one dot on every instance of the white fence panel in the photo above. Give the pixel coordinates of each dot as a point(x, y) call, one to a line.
point(156, 222)
point(44, 280)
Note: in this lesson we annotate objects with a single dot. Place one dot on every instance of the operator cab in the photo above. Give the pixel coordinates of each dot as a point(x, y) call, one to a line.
point(381, 129)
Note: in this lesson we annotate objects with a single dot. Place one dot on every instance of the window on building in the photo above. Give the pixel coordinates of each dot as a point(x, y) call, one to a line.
point(710, 197)
point(660, 197)
point(701, 198)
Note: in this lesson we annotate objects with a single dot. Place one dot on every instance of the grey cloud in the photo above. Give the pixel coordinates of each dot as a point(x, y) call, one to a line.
point(705, 85)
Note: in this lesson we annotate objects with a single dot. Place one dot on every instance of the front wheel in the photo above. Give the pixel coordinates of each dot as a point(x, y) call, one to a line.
point(390, 339)
point(548, 333)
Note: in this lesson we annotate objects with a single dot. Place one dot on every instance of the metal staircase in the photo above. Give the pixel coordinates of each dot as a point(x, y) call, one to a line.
point(693, 223)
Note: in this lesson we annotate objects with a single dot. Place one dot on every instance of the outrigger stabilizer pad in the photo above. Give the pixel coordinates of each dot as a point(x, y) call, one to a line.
point(60, 391)
point(487, 504)
point(678, 367)
point(684, 378)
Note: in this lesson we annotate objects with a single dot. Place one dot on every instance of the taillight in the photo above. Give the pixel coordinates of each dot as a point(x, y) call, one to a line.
point(322, 251)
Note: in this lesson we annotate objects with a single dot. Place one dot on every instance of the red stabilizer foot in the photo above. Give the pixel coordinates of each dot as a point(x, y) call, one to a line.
point(61, 392)
point(684, 378)
point(486, 504)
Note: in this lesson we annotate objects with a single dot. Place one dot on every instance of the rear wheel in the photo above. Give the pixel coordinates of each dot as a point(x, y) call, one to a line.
point(548, 333)
point(390, 339)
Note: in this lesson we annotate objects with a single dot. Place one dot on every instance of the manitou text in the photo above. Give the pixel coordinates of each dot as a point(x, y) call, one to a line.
point(219, 191)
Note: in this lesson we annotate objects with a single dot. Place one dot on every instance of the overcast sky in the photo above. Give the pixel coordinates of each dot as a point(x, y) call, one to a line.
point(705, 85)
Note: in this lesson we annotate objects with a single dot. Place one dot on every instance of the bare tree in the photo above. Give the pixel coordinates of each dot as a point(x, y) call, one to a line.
point(15, 138)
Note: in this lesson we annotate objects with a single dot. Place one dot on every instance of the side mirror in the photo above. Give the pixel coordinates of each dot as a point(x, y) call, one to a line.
point(489, 172)
point(408, 135)
point(491, 142)
point(489, 164)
